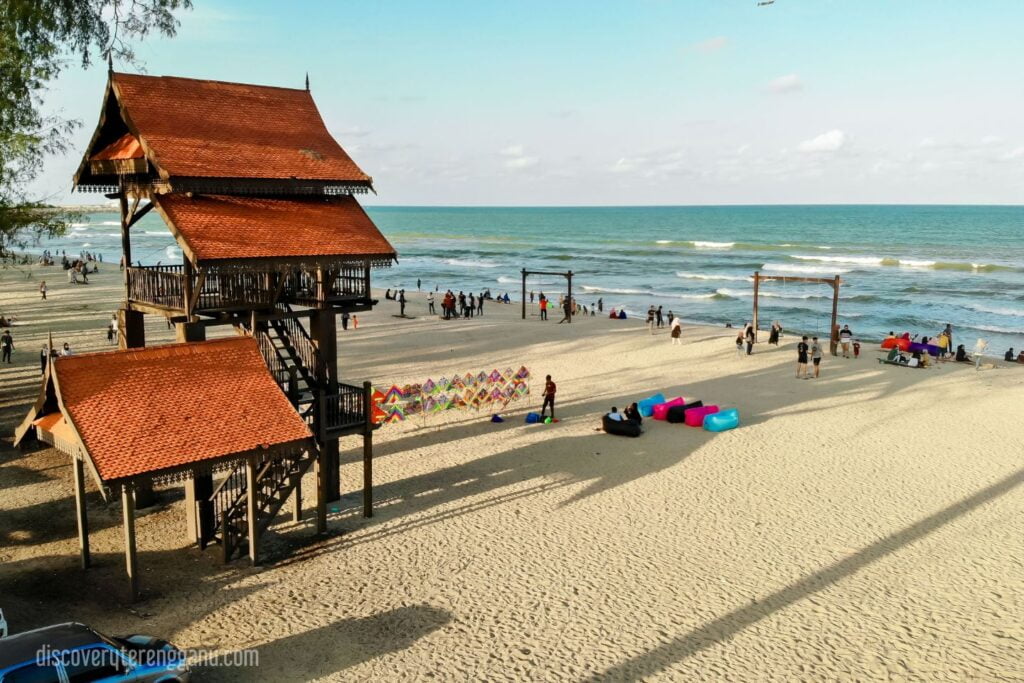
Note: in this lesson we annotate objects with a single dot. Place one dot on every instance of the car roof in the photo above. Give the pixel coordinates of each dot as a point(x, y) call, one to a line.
point(21, 648)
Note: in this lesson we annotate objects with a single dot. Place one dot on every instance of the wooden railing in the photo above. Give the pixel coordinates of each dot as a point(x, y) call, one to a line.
point(164, 286)
point(158, 285)
point(344, 409)
point(292, 331)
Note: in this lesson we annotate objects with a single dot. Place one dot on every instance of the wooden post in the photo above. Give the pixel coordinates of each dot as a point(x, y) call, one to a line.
point(297, 502)
point(757, 281)
point(251, 509)
point(186, 287)
point(130, 558)
point(834, 341)
point(126, 242)
point(571, 306)
point(191, 511)
point(205, 516)
point(368, 451)
point(131, 326)
point(321, 494)
point(83, 517)
point(524, 293)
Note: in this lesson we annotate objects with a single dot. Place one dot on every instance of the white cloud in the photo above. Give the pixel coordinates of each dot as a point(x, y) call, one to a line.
point(1014, 154)
point(626, 165)
point(991, 140)
point(832, 141)
point(711, 44)
point(521, 162)
point(512, 151)
point(927, 142)
point(785, 84)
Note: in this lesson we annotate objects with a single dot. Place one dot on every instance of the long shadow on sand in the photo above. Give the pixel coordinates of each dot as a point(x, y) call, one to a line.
point(725, 627)
point(329, 650)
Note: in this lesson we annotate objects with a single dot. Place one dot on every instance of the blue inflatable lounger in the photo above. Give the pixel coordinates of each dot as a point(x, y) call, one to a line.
point(646, 406)
point(722, 420)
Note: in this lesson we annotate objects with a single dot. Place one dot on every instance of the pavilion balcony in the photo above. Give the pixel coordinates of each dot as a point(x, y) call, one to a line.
point(170, 290)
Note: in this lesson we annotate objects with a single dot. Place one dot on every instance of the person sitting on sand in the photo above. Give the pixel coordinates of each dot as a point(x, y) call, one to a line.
point(622, 314)
point(613, 315)
point(633, 414)
point(615, 415)
point(894, 355)
point(1009, 355)
point(961, 354)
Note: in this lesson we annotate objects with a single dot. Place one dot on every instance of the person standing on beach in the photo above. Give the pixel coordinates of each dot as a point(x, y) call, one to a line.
point(480, 304)
point(749, 335)
point(600, 305)
point(543, 308)
point(549, 396)
point(472, 305)
point(845, 337)
point(801, 358)
point(660, 317)
point(344, 320)
point(430, 304)
point(650, 319)
point(6, 345)
point(66, 351)
point(401, 303)
point(44, 355)
point(676, 331)
point(816, 356)
point(42, 290)
point(110, 334)
point(566, 312)
point(419, 284)
point(531, 296)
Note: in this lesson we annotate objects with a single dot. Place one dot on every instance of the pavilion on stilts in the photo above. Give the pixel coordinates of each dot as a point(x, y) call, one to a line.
point(261, 200)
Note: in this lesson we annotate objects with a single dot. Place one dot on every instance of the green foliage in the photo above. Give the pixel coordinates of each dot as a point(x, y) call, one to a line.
point(38, 38)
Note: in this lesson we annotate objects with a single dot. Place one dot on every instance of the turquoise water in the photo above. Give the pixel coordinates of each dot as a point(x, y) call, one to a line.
point(904, 268)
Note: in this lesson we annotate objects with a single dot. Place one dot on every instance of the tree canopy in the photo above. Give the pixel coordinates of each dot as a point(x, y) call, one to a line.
point(38, 40)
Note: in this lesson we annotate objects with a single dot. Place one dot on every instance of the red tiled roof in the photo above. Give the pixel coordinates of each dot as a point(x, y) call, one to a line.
point(125, 147)
point(211, 129)
point(216, 227)
point(158, 408)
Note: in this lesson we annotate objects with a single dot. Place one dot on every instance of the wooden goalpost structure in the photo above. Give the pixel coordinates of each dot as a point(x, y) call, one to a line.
point(567, 275)
point(832, 282)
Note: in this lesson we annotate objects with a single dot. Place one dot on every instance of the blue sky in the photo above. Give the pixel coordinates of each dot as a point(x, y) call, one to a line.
point(632, 102)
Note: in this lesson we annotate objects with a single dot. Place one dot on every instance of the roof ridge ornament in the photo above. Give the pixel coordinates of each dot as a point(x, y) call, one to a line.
point(307, 81)
point(110, 62)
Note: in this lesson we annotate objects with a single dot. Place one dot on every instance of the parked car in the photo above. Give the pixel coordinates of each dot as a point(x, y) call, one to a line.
point(75, 653)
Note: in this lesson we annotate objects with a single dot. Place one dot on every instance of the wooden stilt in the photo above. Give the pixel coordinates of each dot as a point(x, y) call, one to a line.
point(130, 558)
point(524, 293)
point(297, 502)
point(757, 282)
point(251, 510)
point(321, 494)
point(834, 335)
point(571, 307)
point(368, 474)
point(83, 516)
point(191, 511)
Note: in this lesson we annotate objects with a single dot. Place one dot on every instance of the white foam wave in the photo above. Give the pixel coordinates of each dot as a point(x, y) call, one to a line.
point(589, 289)
point(744, 293)
point(712, 245)
point(997, 328)
point(914, 263)
point(701, 276)
point(87, 244)
point(469, 263)
point(810, 270)
point(173, 252)
point(998, 310)
point(79, 226)
point(118, 223)
point(858, 260)
point(664, 242)
point(157, 232)
point(113, 234)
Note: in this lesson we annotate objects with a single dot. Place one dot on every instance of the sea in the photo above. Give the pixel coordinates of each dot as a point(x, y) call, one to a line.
point(903, 268)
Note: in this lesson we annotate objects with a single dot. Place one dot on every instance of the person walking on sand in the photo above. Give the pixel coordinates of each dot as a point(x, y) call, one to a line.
point(676, 331)
point(600, 305)
point(549, 396)
point(480, 304)
point(401, 303)
point(42, 290)
point(355, 322)
point(749, 335)
point(845, 337)
point(430, 304)
point(650, 319)
point(6, 345)
point(345, 317)
point(44, 355)
point(816, 356)
point(660, 318)
point(566, 312)
point(801, 358)
point(110, 333)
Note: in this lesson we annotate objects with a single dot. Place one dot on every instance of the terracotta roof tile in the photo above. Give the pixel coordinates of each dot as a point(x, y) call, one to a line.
point(162, 407)
point(223, 227)
point(125, 147)
point(207, 129)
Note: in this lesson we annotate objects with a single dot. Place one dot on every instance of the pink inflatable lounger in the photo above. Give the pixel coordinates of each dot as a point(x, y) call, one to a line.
point(660, 411)
point(695, 416)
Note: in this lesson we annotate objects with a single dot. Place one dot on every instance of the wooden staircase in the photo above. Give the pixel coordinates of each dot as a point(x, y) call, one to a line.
point(227, 509)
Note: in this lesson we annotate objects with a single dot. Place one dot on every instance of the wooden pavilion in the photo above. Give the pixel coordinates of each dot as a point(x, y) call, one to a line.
point(174, 413)
point(261, 199)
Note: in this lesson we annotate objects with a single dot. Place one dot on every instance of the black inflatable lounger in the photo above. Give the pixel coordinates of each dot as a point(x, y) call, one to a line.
point(620, 428)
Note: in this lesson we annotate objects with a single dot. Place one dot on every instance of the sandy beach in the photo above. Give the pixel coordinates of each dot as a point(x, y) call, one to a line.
point(867, 525)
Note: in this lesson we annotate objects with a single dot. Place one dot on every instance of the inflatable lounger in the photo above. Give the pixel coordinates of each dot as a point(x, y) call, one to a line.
point(883, 361)
point(723, 420)
point(646, 406)
point(660, 411)
point(620, 427)
point(899, 342)
point(695, 416)
point(930, 349)
point(677, 414)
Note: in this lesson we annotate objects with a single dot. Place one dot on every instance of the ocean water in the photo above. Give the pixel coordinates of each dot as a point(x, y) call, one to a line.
point(904, 268)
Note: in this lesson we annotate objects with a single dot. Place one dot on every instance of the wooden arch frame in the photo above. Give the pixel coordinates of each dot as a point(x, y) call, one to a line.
point(832, 282)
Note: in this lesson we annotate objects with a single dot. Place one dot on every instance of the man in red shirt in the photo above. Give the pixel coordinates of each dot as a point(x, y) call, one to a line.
point(549, 396)
point(543, 309)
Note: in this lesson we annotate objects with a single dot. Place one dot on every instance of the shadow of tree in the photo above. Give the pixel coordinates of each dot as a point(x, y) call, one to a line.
point(725, 627)
point(330, 649)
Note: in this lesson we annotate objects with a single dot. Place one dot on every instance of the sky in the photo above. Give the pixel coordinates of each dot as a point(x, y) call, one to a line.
point(646, 102)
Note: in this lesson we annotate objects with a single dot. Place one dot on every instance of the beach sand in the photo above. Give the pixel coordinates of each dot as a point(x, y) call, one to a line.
point(865, 525)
